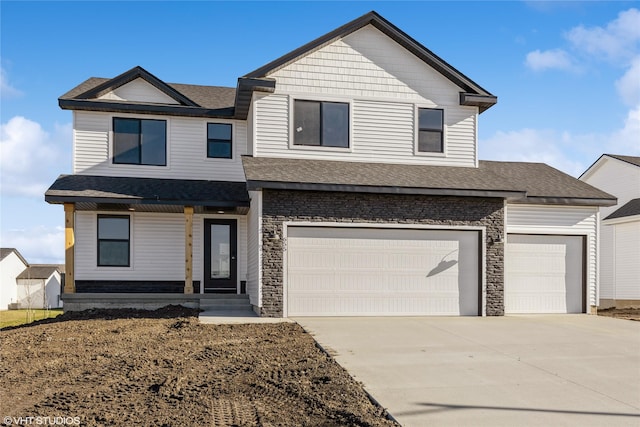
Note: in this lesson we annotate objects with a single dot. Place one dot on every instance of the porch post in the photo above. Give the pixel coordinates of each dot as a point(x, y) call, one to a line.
point(188, 249)
point(69, 248)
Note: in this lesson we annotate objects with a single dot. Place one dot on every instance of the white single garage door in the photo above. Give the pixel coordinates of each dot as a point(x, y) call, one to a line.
point(345, 271)
point(544, 274)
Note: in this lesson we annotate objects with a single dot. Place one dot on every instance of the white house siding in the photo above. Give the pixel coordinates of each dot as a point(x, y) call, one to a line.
point(560, 220)
point(627, 260)
point(10, 267)
point(622, 180)
point(616, 177)
point(156, 245)
point(186, 149)
point(139, 91)
point(254, 234)
point(385, 84)
point(156, 248)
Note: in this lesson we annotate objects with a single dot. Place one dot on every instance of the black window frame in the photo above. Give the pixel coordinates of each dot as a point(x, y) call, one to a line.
point(320, 124)
point(218, 141)
point(424, 128)
point(128, 240)
point(139, 162)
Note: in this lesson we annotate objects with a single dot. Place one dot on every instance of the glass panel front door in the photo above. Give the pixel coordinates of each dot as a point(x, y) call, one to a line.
point(220, 251)
point(220, 260)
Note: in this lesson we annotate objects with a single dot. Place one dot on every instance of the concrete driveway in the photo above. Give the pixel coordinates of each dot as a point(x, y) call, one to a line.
point(563, 370)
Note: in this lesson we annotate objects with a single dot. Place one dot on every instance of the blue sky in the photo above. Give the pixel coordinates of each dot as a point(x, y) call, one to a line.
point(567, 76)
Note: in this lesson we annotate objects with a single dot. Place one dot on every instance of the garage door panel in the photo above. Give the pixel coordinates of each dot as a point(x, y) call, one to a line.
point(544, 274)
point(356, 271)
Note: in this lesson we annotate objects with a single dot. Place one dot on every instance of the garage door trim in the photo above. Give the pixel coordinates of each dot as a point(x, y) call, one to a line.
point(584, 259)
point(482, 239)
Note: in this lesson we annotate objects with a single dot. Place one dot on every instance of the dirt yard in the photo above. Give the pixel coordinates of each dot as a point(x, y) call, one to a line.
point(621, 313)
point(163, 368)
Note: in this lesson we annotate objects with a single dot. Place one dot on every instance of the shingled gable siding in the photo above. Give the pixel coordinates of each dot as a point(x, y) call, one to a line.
point(283, 206)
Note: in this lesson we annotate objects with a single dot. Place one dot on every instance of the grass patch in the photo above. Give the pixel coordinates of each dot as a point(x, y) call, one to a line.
point(22, 317)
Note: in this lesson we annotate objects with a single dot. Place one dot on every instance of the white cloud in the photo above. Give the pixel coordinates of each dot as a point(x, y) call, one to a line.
point(571, 153)
point(6, 90)
point(549, 59)
point(30, 158)
point(38, 244)
point(617, 41)
point(628, 85)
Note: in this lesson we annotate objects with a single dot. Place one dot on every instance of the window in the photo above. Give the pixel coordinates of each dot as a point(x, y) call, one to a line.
point(219, 140)
point(431, 130)
point(321, 123)
point(140, 142)
point(113, 241)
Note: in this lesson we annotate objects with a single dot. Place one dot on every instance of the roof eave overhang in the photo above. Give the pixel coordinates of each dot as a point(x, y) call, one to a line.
point(121, 107)
point(567, 201)
point(59, 199)
point(351, 188)
point(483, 102)
point(244, 93)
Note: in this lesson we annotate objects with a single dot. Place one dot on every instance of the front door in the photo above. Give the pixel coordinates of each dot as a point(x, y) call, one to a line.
point(220, 255)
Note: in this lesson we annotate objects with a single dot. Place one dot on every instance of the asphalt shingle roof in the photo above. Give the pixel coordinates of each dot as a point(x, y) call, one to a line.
point(39, 271)
point(629, 159)
point(4, 252)
point(212, 97)
point(148, 190)
point(523, 181)
point(631, 208)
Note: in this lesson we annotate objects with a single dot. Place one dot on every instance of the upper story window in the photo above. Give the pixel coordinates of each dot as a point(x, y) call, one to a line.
point(219, 145)
point(430, 130)
point(319, 123)
point(139, 141)
point(113, 240)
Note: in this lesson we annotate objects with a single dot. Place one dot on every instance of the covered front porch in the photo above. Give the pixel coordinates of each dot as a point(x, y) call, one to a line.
point(147, 243)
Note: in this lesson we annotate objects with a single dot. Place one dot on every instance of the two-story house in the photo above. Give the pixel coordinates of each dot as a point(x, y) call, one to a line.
point(340, 179)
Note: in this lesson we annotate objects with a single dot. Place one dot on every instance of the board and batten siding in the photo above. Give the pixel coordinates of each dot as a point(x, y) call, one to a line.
point(186, 149)
point(156, 247)
point(384, 84)
point(254, 248)
point(560, 220)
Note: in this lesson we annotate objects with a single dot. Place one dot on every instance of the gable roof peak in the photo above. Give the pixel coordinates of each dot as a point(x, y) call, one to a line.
point(131, 75)
point(473, 94)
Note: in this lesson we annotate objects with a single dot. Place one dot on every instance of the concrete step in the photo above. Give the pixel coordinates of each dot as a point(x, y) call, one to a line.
point(225, 302)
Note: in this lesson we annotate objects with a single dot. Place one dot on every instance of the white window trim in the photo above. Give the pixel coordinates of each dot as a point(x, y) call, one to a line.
point(140, 167)
point(113, 268)
point(416, 131)
point(319, 148)
point(234, 148)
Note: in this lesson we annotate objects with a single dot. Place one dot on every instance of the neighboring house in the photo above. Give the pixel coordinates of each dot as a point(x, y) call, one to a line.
point(39, 286)
point(340, 179)
point(619, 229)
point(11, 265)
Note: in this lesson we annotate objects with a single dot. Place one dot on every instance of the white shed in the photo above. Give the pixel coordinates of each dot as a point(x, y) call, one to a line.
point(39, 286)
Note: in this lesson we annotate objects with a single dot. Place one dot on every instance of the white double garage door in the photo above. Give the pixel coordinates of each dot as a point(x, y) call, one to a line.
point(363, 271)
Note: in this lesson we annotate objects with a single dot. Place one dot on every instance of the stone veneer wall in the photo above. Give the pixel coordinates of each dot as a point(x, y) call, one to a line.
point(280, 206)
